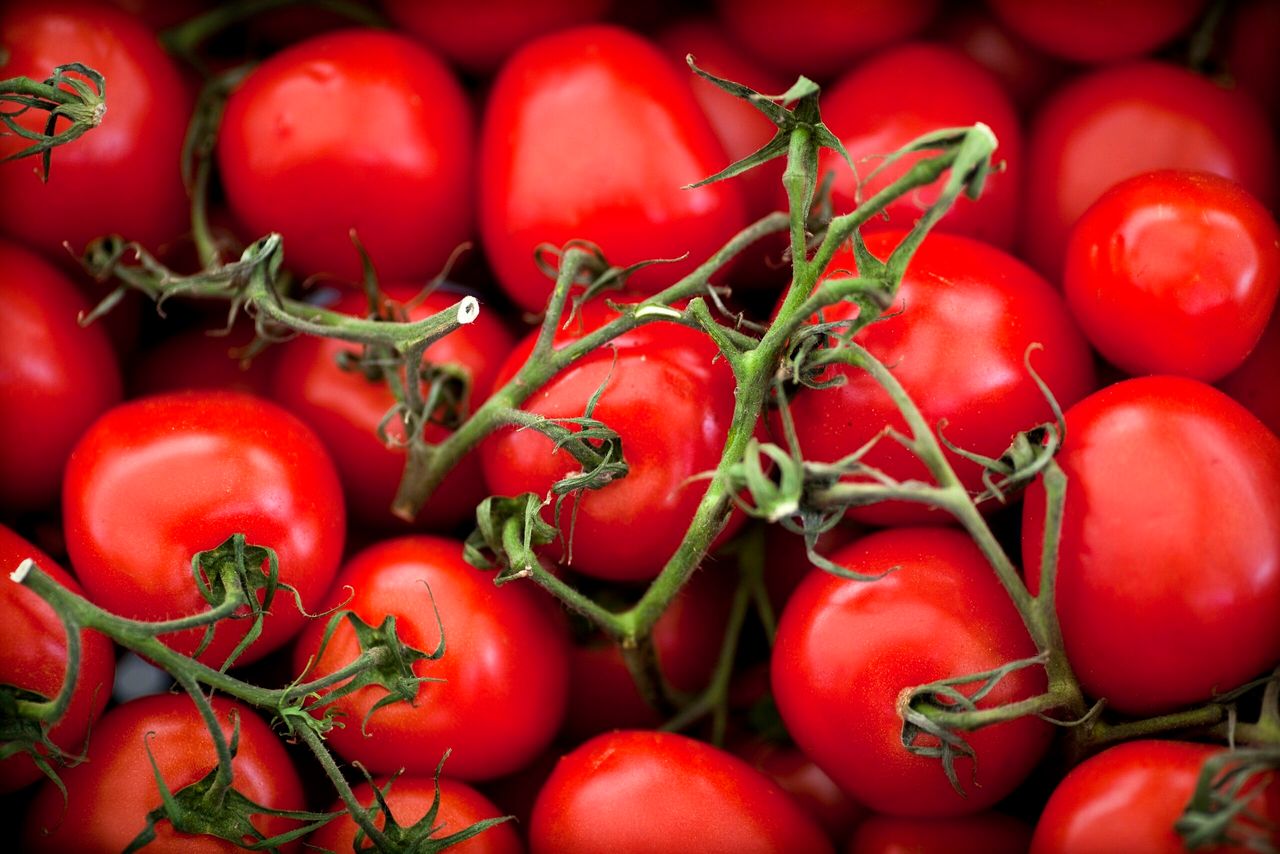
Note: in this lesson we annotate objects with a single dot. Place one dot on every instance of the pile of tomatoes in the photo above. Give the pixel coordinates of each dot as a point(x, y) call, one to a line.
point(1113, 286)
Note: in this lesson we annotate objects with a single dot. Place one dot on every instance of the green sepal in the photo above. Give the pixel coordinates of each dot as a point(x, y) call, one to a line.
point(508, 532)
point(85, 113)
point(234, 568)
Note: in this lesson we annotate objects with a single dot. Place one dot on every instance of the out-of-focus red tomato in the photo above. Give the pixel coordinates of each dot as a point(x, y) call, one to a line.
point(1097, 30)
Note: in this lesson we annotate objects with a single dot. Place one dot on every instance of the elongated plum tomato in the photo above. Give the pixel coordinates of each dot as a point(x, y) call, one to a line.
point(123, 176)
point(956, 338)
point(156, 480)
point(55, 377)
point(669, 396)
point(939, 614)
point(590, 133)
point(504, 671)
point(636, 790)
point(1168, 581)
point(1128, 798)
point(907, 92)
point(345, 407)
point(33, 657)
point(356, 130)
point(109, 796)
point(1097, 30)
point(1174, 272)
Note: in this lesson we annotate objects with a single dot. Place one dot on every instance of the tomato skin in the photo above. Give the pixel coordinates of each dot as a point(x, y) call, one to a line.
point(981, 833)
point(109, 796)
point(1253, 383)
point(1128, 797)
point(810, 787)
point(906, 92)
point(409, 800)
point(1174, 272)
point(345, 408)
point(121, 177)
point(565, 154)
point(618, 792)
point(335, 134)
point(943, 588)
point(1171, 476)
point(202, 358)
point(967, 313)
point(33, 650)
point(1123, 120)
point(156, 480)
point(1097, 30)
point(1024, 72)
point(505, 666)
point(55, 377)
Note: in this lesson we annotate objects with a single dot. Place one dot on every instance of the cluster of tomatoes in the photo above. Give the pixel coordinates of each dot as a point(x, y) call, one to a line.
point(1123, 255)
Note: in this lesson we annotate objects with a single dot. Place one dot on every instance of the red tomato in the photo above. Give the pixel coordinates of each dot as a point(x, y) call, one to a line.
point(1127, 798)
point(202, 358)
point(983, 833)
point(121, 177)
point(479, 36)
point(345, 407)
point(1026, 74)
point(155, 481)
point(627, 530)
point(34, 658)
point(639, 791)
point(1122, 121)
point(1254, 382)
point(1170, 548)
point(504, 670)
point(820, 38)
point(409, 800)
point(109, 796)
point(942, 588)
point(359, 129)
point(1097, 30)
point(810, 787)
point(965, 315)
point(1174, 272)
point(1250, 57)
point(786, 563)
point(590, 133)
point(55, 377)
point(904, 93)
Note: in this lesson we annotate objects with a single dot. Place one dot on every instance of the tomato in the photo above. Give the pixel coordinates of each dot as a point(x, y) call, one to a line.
point(109, 796)
point(202, 358)
point(906, 92)
point(504, 670)
point(786, 562)
point(1174, 272)
point(1249, 58)
point(410, 799)
point(344, 407)
point(956, 339)
point(338, 133)
point(451, 28)
point(1121, 121)
point(820, 38)
point(798, 776)
point(1026, 74)
point(983, 833)
point(1128, 797)
point(55, 377)
point(155, 481)
point(33, 657)
point(1253, 383)
point(628, 529)
point(121, 177)
point(652, 791)
point(1168, 586)
point(942, 588)
point(590, 133)
point(1097, 30)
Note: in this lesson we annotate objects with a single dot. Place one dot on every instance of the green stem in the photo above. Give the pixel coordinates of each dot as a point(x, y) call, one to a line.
point(357, 811)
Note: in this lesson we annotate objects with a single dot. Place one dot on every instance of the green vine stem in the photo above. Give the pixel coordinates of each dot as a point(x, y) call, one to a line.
point(80, 100)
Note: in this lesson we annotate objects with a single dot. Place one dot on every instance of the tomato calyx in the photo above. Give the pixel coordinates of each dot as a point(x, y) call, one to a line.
point(508, 531)
point(25, 720)
point(79, 99)
point(1218, 812)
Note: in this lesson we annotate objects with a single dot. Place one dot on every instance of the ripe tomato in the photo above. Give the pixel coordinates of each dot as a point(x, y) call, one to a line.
point(903, 93)
point(965, 315)
point(1128, 797)
point(409, 800)
point(1168, 586)
point(590, 133)
point(122, 177)
point(942, 588)
point(1121, 121)
point(1253, 383)
point(55, 377)
point(637, 791)
point(983, 833)
point(344, 407)
point(810, 786)
point(339, 133)
point(1097, 30)
point(669, 397)
point(504, 671)
point(202, 358)
point(155, 481)
point(1174, 272)
point(109, 796)
point(1025, 73)
point(34, 658)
